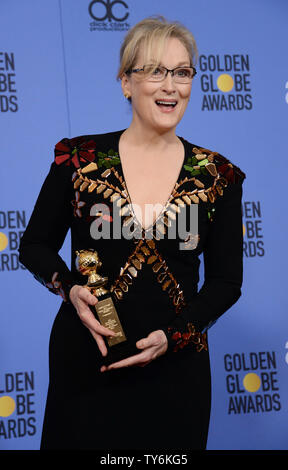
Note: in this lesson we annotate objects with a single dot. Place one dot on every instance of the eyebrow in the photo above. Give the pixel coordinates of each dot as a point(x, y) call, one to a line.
point(180, 64)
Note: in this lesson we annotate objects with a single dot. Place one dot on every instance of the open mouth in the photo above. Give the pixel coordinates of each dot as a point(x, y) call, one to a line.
point(166, 103)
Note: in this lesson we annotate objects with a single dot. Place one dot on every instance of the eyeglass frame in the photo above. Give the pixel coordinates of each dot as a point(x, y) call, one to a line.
point(167, 71)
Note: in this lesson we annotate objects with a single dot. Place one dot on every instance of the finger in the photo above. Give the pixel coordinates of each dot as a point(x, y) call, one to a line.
point(87, 296)
point(115, 366)
point(153, 339)
point(128, 362)
point(146, 343)
point(92, 323)
point(103, 331)
point(100, 342)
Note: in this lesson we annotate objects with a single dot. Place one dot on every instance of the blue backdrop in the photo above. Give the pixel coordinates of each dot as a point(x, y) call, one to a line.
point(58, 63)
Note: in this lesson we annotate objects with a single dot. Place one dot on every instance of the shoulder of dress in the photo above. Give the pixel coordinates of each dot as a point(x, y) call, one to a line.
point(216, 164)
point(83, 149)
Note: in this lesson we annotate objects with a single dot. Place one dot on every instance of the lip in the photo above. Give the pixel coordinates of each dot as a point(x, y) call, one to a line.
point(165, 100)
point(163, 109)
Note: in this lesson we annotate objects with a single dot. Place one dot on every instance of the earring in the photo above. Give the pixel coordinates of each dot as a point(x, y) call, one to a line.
point(127, 95)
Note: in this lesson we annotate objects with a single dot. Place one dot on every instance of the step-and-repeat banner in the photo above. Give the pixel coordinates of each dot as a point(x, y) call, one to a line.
point(58, 63)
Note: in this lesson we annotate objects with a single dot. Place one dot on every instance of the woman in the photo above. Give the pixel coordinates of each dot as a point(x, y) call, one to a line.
point(158, 396)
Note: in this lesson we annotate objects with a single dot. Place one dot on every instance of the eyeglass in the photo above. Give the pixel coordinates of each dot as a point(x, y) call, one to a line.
point(157, 73)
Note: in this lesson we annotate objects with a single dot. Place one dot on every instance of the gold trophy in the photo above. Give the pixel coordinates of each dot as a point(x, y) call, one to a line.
point(87, 263)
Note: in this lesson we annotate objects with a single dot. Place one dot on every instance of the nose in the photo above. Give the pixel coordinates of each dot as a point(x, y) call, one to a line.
point(168, 84)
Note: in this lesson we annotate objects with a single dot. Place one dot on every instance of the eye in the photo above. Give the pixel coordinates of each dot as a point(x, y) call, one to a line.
point(183, 73)
point(157, 71)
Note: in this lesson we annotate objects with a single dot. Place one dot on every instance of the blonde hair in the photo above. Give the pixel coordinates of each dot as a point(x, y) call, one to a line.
point(152, 32)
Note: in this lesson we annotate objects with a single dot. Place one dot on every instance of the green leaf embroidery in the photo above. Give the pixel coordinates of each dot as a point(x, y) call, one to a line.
point(108, 159)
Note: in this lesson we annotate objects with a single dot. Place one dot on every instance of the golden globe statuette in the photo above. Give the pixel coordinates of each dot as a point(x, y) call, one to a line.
point(87, 263)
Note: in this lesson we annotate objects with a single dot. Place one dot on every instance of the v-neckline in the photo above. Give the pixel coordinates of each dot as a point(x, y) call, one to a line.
point(180, 173)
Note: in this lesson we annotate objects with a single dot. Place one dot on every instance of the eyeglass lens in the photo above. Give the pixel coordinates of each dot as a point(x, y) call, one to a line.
point(179, 74)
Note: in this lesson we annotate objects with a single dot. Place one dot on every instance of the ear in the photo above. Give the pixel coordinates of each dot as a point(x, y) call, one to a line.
point(125, 84)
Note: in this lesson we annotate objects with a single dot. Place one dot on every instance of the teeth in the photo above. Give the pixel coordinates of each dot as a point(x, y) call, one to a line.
point(168, 103)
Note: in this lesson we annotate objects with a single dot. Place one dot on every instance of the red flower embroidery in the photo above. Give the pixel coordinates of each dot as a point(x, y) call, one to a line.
point(74, 150)
point(77, 204)
point(232, 173)
point(56, 287)
point(227, 171)
point(188, 337)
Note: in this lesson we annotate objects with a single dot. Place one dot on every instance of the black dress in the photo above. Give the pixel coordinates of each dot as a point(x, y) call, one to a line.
point(153, 278)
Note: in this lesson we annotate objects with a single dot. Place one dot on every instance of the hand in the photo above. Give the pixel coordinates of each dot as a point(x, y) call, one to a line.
point(152, 347)
point(81, 298)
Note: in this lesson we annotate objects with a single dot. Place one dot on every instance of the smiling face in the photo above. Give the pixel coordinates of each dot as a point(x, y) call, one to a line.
point(159, 106)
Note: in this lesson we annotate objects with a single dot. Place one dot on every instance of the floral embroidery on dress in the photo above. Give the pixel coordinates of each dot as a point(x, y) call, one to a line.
point(108, 160)
point(187, 191)
point(191, 336)
point(201, 163)
point(205, 162)
point(77, 204)
point(74, 150)
point(109, 191)
point(55, 286)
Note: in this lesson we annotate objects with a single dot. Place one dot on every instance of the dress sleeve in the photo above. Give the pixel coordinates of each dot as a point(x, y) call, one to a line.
point(47, 229)
point(223, 273)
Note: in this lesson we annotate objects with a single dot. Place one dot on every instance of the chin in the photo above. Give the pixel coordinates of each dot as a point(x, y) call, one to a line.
point(168, 125)
point(169, 121)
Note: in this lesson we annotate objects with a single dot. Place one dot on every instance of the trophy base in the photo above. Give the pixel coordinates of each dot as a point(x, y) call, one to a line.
point(120, 351)
point(118, 346)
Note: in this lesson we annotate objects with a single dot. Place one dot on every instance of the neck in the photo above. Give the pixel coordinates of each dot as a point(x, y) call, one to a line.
point(139, 135)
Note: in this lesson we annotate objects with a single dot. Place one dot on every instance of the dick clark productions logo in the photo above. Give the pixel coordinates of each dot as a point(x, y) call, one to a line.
point(115, 12)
